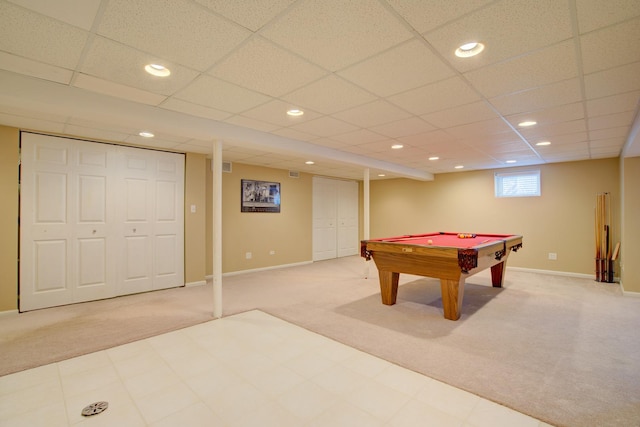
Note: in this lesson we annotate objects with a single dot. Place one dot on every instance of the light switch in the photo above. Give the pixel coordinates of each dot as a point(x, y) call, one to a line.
point(193, 208)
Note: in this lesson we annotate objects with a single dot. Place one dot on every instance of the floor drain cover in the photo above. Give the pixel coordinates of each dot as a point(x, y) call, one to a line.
point(95, 408)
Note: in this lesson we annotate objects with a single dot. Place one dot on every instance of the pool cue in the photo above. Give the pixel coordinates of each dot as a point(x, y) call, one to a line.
point(597, 231)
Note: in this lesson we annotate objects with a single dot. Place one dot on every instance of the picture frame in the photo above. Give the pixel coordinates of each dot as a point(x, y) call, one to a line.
point(259, 196)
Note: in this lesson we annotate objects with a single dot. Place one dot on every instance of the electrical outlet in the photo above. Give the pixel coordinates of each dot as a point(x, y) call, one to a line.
point(553, 256)
point(247, 255)
point(272, 252)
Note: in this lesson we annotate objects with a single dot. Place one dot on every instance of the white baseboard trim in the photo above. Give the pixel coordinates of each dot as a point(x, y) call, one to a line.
point(198, 283)
point(8, 313)
point(254, 270)
point(553, 272)
point(630, 293)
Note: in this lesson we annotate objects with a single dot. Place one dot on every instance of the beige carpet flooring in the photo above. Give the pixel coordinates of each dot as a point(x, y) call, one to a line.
point(561, 349)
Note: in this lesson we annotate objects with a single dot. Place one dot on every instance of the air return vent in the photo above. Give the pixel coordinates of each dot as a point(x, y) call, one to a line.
point(294, 174)
point(226, 167)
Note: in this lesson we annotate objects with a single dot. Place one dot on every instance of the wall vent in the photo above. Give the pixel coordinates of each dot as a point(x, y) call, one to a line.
point(294, 174)
point(226, 167)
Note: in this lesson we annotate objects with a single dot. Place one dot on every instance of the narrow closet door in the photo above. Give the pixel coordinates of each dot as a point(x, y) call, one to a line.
point(347, 203)
point(324, 218)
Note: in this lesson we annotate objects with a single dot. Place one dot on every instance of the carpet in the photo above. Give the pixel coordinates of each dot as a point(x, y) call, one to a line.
point(564, 350)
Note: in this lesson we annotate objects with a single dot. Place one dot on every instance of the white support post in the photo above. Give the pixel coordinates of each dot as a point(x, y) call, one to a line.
point(216, 165)
point(366, 217)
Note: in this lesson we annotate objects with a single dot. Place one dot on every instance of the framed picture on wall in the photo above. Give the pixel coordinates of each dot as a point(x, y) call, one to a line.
point(259, 196)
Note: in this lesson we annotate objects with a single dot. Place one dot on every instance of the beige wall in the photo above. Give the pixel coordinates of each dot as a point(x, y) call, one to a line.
point(8, 218)
point(288, 233)
point(630, 251)
point(195, 222)
point(560, 221)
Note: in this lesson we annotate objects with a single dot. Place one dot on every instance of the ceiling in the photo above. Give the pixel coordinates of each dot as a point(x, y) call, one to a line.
point(368, 74)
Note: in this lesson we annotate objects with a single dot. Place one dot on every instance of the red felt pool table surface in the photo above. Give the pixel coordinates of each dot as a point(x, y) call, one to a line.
point(445, 239)
point(442, 255)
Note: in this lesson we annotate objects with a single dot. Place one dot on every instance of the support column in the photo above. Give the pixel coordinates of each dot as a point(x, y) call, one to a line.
point(365, 231)
point(216, 165)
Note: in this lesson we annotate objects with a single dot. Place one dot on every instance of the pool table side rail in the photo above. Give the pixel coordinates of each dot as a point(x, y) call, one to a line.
point(467, 257)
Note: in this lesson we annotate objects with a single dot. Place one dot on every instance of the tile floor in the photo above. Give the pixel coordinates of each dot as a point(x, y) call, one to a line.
point(250, 369)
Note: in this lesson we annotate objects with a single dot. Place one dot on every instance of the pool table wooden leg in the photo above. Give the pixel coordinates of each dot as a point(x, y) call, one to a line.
point(452, 293)
point(497, 274)
point(388, 286)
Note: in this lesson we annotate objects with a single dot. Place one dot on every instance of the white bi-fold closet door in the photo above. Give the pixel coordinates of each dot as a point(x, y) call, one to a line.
point(335, 218)
point(97, 221)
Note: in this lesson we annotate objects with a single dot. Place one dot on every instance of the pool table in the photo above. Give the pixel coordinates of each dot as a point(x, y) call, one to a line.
point(450, 257)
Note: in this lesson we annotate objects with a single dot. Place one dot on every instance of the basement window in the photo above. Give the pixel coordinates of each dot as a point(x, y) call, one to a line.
point(518, 184)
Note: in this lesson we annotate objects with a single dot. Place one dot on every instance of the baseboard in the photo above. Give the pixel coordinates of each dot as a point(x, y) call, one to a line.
point(8, 313)
point(553, 272)
point(254, 270)
point(198, 283)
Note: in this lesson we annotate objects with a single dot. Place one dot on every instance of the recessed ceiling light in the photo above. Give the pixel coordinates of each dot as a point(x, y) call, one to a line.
point(397, 146)
point(146, 134)
point(309, 162)
point(541, 143)
point(295, 112)
point(468, 50)
point(459, 167)
point(527, 123)
point(434, 158)
point(381, 174)
point(511, 161)
point(157, 70)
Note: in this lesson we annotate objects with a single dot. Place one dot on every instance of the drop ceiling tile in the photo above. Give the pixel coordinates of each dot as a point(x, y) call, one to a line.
point(439, 137)
point(434, 97)
point(474, 112)
point(251, 14)
point(275, 112)
point(251, 123)
point(613, 104)
point(611, 46)
point(614, 143)
point(373, 113)
point(613, 81)
point(318, 29)
point(619, 132)
point(568, 138)
point(565, 92)
point(20, 65)
point(321, 95)
point(405, 127)
point(612, 120)
point(106, 87)
point(215, 93)
point(477, 129)
point(597, 14)
point(425, 15)
point(561, 113)
point(61, 47)
point(294, 134)
point(604, 152)
point(507, 28)
point(407, 66)
point(177, 30)
point(185, 107)
point(79, 13)
point(553, 129)
point(264, 67)
point(325, 127)
point(542, 67)
point(360, 136)
point(121, 64)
